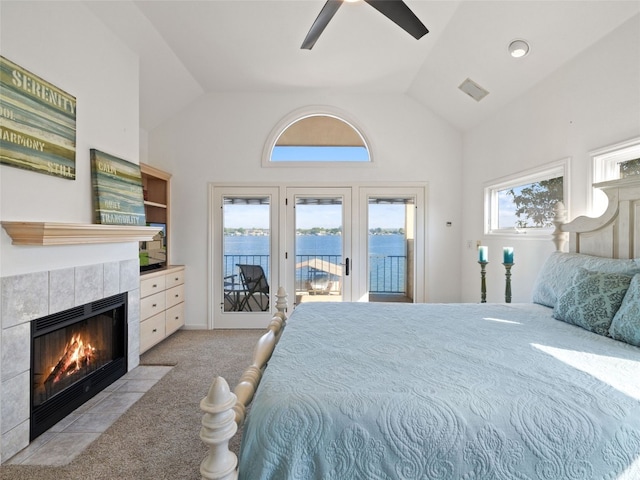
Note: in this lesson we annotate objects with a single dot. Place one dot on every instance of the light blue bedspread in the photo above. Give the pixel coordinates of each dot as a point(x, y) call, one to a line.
point(443, 391)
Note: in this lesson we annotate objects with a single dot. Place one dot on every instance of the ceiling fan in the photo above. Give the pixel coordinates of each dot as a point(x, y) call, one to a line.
point(395, 10)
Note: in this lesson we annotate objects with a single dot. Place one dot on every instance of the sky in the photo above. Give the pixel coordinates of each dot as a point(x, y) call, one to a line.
point(506, 210)
point(327, 216)
point(319, 154)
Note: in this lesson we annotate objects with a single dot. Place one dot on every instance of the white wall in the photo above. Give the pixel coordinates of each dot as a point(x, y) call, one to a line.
point(221, 137)
point(591, 102)
point(144, 146)
point(65, 44)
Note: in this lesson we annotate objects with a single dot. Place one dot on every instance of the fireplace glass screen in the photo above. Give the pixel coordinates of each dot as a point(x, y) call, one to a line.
point(75, 354)
point(66, 355)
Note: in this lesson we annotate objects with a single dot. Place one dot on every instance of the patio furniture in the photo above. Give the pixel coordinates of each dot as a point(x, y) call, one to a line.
point(256, 288)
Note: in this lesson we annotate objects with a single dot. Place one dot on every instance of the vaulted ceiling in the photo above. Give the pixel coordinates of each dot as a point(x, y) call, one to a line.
point(190, 48)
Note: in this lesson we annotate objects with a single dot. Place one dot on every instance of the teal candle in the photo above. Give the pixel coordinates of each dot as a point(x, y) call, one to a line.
point(507, 254)
point(483, 254)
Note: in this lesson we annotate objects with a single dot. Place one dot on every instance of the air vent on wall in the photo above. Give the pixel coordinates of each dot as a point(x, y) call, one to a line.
point(474, 90)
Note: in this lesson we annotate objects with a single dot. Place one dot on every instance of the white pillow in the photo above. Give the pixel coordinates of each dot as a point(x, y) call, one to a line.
point(558, 271)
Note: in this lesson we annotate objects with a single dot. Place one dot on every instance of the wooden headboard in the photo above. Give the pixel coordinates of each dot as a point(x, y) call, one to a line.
point(616, 233)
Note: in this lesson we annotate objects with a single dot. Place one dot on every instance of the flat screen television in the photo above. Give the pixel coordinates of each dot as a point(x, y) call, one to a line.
point(153, 253)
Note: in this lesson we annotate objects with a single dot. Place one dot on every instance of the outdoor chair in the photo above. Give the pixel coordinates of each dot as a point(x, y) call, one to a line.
point(255, 286)
point(319, 284)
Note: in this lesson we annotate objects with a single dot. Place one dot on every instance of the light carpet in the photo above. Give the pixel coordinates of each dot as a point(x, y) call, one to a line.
point(158, 437)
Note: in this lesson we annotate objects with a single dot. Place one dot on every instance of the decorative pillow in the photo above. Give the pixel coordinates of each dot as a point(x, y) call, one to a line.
point(626, 323)
point(560, 268)
point(592, 300)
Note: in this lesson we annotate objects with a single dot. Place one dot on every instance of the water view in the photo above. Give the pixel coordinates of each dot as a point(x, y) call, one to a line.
point(387, 256)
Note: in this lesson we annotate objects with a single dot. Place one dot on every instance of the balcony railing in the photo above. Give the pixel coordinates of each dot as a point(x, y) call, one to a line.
point(231, 261)
point(387, 273)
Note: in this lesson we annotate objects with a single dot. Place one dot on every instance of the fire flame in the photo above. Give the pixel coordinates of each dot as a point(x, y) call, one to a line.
point(77, 354)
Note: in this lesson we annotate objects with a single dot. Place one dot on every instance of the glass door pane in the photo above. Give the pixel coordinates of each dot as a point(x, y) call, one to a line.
point(244, 265)
point(320, 242)
point(245, 253)
point(391, 248)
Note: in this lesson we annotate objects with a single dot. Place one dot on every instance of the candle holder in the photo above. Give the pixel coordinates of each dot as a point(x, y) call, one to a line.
point(483, 282)
point(507, 288)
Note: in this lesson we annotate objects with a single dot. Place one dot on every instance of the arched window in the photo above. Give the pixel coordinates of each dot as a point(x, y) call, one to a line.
point(313, 136)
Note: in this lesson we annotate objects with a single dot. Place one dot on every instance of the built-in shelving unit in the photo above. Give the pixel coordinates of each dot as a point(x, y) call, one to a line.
point(161, 289)
point(156, 189)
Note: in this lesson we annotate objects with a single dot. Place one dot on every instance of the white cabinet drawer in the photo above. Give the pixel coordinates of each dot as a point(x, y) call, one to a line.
point(174, 278)
point(152, 331)
point(150, 306)
point(174, 318)
point(175, 295)
point(161, 304)
point(149, 286)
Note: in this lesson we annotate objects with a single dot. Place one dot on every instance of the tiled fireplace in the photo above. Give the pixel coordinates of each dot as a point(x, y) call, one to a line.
point(32, 296)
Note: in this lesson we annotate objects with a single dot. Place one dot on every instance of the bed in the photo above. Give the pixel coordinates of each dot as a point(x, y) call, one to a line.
point(544, 390)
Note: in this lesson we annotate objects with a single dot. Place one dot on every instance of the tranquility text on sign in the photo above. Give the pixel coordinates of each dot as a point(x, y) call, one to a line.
point(117, 186)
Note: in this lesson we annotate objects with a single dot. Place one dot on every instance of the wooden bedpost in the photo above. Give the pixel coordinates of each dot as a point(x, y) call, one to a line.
point(218, 427)
point(250, 379)
point(559, 218)
point(226, 411)
point(281, 302)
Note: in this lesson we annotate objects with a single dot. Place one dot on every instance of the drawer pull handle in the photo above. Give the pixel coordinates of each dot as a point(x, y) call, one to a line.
point(177, 318)
point(155, 330)
point(177, 295)
point(154, 305)
point(155, 285)
point(176, 279)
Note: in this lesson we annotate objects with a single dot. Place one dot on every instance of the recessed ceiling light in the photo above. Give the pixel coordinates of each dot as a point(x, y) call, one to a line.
point(518, 48)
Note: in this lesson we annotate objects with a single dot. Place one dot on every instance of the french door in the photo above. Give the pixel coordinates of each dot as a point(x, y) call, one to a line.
point(245, 244)
point(356, 243)
point(363, 246)
point(391, 267)
point(318, 244)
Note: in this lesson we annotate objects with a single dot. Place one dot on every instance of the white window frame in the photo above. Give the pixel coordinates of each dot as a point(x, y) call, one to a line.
point(559, 168)
point(309, 111)
point(605, 163)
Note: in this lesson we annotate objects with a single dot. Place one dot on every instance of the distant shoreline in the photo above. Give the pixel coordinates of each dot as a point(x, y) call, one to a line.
point(319, 232)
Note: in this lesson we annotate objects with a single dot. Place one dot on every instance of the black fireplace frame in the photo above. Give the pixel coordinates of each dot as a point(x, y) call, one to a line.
point(49, 413)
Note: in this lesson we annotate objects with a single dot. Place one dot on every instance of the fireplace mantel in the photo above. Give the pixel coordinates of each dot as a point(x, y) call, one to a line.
point(50, 233)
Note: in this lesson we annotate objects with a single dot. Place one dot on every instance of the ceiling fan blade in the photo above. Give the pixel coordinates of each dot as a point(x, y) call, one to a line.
point(326, 14)
point(398, 12)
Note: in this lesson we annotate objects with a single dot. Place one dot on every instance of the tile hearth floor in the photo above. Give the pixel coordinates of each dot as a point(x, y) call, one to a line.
point(74, 433)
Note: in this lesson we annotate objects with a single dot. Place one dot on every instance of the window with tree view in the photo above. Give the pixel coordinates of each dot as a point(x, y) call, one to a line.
point(630, 168)
point(529, 206)
point(525, 204)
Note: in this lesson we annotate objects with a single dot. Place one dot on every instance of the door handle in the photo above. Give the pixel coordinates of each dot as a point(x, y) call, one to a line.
point(346, 266)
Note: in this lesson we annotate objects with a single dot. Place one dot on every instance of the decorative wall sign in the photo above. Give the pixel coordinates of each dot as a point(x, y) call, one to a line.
point(37, 123)
point(117, 188)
